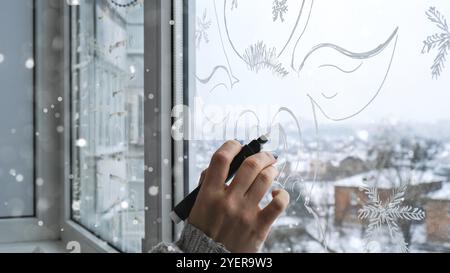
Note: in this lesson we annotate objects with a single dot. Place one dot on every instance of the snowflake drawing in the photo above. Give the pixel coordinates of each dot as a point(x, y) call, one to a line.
point(201, 33)
point(439, 41)
point(259, 57)
point(386, 214)
point(279, 9)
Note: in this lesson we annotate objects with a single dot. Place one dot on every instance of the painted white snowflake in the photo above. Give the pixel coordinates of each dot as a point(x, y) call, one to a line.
point(386, 214)
point(439, 41)
point(203, 25)
point(279, 9)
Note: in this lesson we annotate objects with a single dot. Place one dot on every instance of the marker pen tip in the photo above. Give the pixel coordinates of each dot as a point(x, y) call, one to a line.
point(264, 138)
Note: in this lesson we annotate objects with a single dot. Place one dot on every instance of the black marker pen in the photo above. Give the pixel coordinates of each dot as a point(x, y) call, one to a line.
point(183, 209)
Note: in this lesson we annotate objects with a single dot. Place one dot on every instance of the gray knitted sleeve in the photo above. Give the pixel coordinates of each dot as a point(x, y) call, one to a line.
point(192, 240)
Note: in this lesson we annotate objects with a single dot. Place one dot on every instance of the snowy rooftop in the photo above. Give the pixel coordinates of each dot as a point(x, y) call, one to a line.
point(442, 194)
point(287, 221)
point(389, 178)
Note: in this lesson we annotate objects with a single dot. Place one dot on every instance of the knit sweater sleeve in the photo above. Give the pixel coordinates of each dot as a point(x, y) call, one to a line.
point(192, 240)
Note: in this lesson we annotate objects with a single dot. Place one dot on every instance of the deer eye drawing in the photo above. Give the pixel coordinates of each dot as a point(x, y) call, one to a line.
point(326, 83)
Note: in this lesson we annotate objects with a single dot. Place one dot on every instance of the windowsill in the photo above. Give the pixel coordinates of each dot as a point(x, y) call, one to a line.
point(33, 247)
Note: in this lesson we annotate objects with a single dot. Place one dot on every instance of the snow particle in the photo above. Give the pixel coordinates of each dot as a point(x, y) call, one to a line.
point(29, 64)
point(19, 178)
point(73, 2)
point(76, 206)
point(39, 182)
point(153, 190)
point(132, 69)
point(81, 142)
point(124, 205)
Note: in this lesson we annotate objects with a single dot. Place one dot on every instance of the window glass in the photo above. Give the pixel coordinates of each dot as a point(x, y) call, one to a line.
point(16, 109)
point(355, 95)
point(107, 117)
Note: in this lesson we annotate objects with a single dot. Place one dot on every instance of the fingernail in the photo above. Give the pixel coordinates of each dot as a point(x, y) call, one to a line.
point(240, 141)
point(275, 155)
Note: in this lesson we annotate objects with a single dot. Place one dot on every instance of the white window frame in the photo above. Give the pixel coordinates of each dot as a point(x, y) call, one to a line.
point(48, 163)
point(53, 149)
point(157, 133)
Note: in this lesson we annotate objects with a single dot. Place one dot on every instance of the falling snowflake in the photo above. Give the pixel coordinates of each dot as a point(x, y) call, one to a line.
point(441, 41)
point(279, 9)
point(203, 25)
point(386, 214)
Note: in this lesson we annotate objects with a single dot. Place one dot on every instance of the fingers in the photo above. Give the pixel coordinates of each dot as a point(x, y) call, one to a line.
point(202, 176)
point(249, 170)
point(277, 206)
point(261, 184)
point(220, 164)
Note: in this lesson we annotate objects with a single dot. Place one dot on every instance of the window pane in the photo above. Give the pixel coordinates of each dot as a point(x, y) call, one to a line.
point(355, 95)
point(16, 109)
point(107, 118)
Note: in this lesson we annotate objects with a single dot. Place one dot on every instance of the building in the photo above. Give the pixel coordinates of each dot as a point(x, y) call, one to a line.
point(349, 198)
point(332, 170)
point(438, 215)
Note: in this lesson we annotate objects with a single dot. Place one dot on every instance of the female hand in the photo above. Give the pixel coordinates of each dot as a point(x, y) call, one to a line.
point(231, 214)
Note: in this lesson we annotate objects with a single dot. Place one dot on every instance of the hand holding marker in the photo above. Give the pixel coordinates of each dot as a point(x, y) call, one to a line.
point(183, 209)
